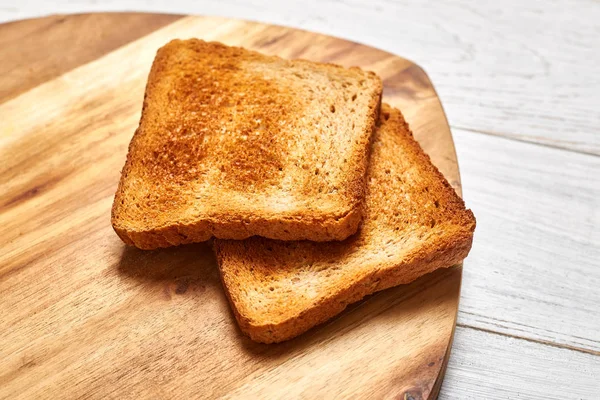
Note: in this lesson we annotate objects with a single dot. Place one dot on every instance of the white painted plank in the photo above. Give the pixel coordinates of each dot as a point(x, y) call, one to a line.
point(525, 69)
point(534, 270)
point(490, 366)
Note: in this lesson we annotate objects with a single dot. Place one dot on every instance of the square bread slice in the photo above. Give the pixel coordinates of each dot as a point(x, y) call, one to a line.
point(233, 143)
point(414, 223)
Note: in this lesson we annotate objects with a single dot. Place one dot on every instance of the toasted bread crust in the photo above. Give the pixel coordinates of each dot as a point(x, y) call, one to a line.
point(279, 290)
point(334, 228)
point(446, 254)
point(228, 141)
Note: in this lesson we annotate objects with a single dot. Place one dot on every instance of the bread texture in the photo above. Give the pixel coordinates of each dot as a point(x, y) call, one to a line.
point(414, 223)
point(233, 143)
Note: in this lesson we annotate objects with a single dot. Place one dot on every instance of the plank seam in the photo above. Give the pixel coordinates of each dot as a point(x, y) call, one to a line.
point(531, 340)
point(524, 140)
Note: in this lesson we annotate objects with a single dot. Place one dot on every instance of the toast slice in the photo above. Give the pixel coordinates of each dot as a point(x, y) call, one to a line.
point(233, 143)
point(414, 223)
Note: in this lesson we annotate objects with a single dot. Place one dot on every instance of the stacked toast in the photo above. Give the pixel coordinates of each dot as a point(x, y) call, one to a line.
point(314, 192)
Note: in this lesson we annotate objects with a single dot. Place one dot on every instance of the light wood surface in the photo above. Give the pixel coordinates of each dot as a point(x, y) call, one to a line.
point(90, 318)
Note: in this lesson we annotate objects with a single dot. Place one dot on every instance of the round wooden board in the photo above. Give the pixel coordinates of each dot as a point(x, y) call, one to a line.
point(84, 316)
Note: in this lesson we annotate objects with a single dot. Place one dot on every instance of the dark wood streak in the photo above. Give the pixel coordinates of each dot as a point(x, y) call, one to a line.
point(52, 49)
point(437, 385)
point(272, 39)
point(29, 193)
point(333, 56)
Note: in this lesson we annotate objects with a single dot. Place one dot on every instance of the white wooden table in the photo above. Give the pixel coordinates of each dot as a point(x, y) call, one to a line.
point(520, 81)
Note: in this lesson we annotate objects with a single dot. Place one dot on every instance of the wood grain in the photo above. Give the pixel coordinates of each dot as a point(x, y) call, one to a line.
point(536, 251)
point(496, 367)
point(94, 319)
point(36, 50)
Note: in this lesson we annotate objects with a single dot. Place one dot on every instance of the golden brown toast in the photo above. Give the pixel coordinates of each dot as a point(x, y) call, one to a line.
point(414, 223)
point(233, 143)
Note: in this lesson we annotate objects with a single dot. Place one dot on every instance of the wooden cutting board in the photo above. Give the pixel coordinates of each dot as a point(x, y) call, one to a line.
point(85, 316)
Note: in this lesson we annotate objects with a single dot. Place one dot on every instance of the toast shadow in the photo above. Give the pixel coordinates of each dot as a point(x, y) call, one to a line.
point(179, 270)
